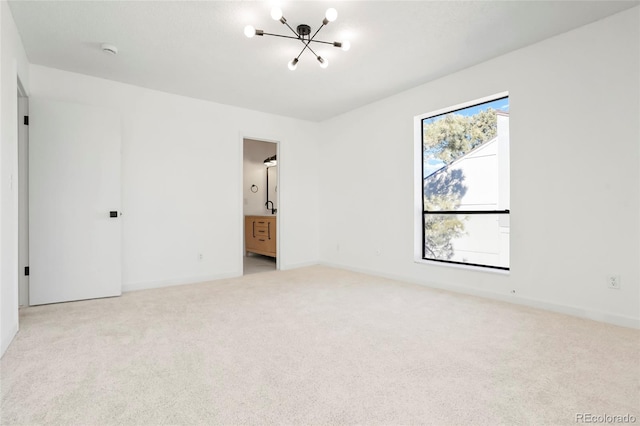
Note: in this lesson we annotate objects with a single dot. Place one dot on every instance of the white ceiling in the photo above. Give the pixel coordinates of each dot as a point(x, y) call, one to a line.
point(198, 49)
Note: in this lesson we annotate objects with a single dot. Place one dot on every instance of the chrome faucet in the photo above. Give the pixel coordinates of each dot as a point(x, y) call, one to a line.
point(273, 210)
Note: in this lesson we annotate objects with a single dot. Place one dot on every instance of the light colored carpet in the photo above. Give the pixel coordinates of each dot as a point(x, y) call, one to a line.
point(313, 346)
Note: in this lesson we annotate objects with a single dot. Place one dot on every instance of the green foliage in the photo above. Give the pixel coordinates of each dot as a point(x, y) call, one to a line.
point(443, 191)
point(454, 135)
point(439, 231)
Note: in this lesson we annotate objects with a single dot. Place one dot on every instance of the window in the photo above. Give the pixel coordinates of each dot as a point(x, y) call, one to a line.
point(464, 184)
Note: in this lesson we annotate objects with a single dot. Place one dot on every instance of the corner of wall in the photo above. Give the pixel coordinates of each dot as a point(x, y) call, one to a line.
point(7, 339)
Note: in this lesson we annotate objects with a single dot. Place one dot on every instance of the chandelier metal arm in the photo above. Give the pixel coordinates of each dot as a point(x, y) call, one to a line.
point(333, 43)
point(299, 38)
point(302, 51)
point(283, 36)
point(317, 31)
point(306, 46)
point(289, 26)
point(312, 51)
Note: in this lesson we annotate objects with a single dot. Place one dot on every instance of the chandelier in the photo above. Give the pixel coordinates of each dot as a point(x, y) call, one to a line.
point(303, 34)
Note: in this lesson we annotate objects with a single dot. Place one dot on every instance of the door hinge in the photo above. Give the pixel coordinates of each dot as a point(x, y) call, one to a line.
point(26, 120)
point(26, 270)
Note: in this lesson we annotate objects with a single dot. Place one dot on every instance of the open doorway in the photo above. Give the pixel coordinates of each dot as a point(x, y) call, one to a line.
point(260, 206)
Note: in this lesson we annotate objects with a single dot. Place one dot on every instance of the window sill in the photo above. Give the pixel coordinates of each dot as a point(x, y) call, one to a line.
point(464, 267)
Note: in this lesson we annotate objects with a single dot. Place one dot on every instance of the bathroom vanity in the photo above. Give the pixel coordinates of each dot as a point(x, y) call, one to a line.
point(260, 235)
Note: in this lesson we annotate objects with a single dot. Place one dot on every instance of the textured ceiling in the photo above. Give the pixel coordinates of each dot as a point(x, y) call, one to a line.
point(198, 49)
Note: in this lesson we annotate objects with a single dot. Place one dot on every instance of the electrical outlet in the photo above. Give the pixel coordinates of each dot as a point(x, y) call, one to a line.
point(200, 257)
point(613, 281)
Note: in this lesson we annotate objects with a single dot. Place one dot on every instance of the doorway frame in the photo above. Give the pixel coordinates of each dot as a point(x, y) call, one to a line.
point(22, 102)
point(241, 252)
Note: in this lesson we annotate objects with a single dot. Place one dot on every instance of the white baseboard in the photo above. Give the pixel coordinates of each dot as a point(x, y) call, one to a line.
point(193, 280)
point(177, 281)
point(6, 340)
point(298, 265)
point(606, 317)
point(600, 316)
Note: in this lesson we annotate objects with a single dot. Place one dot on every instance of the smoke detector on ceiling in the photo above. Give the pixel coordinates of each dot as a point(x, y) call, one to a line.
point(109, 48)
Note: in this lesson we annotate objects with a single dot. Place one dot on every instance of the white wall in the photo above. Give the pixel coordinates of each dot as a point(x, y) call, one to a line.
point(574, 122)
point(13, 63)
point(255, 173)
point(182, 179)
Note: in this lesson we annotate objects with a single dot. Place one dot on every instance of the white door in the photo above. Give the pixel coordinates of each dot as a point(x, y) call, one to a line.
point(74, 186)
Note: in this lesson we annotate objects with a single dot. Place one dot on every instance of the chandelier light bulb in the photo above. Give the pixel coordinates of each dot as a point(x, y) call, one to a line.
point(293, 64)
point(323, 62)
point(346, 45)
point(276, 13)
point(249, 31)
point(331, 14)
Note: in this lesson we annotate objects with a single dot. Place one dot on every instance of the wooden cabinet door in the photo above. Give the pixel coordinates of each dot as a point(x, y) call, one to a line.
point(260, 235)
